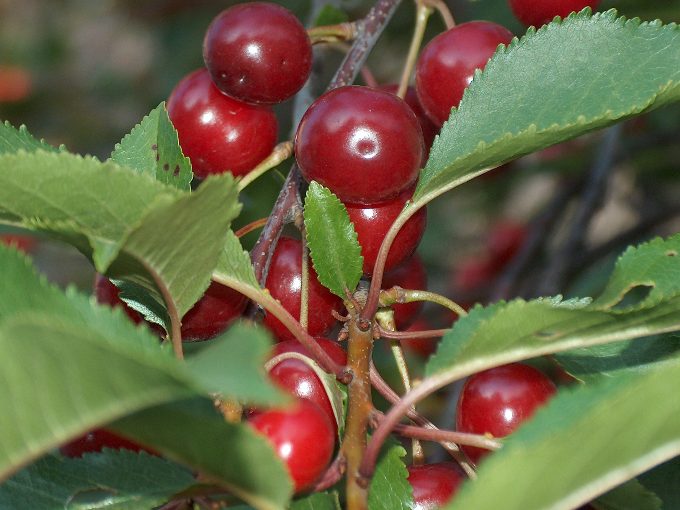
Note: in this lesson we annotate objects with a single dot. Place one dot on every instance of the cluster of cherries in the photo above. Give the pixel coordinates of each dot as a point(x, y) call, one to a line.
point(367, 146)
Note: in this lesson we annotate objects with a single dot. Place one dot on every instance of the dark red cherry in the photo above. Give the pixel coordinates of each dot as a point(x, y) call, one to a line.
point(372, 222)
point(474, 274)
point(410, 275)
point(21, 242)
point(303, 438)
point(283, 282)
point(504, 241)
point(537, 13)
point(434, 485)
point(298, 378)
point(422, 347)
point(364, 144)
point(108, 294)
point(498, 400)
point(97, 439)
point(447, 64)
point(258, 52)
point(213, 313)
point(216, 132)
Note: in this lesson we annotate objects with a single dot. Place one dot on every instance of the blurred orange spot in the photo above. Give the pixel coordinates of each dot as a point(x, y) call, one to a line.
point(15, 84)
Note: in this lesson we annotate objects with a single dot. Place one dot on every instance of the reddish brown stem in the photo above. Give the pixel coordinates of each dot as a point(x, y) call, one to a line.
point(253, 225)
point(411, 335)
point(332, 474)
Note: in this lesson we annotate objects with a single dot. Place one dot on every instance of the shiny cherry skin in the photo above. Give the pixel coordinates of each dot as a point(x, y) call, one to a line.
point(498, 400)
point(539, 12)
point(107, 293)
point(258, 52)
point(303, 438)
point(434, 485)
point(364, 144)
point(372, 223)
point(447, 64)
point(410, 275)
point(298, 378)
point(283, 282)
point(95, 440)
point(213, 313)
point(218, 133)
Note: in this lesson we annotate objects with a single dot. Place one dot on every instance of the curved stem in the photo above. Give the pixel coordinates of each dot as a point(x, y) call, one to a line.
point(250, 227)
point(333, 33)
point(397, 295)
point(413, 335)
point(281, 152)
point(423, 13)
point(444, 12)
point(304, 283)
point(332, 474)
point(173, 313)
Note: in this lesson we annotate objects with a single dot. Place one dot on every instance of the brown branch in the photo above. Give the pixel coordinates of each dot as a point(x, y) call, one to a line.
point(413, 335)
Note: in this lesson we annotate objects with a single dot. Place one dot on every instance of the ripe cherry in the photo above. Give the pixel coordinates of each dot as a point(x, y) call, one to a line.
point(258, 52)
point(532, 12)
point(299, 379)
point(213, 313)
point(447, 64)
point(21, 242)
point(473, 275)
point(108, 294)
point(284, 281)
point(410, 275)
point(498, 400)
point(97, 439)
point(504, 240)
point(302, 437)
point(372, 222)
point(434, 485)
point(364, 144)
point(216, 132)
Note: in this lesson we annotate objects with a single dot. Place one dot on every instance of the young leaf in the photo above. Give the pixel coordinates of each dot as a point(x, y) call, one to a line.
point(234, 264)
point(330, 15)
point(192, 432)
point(389, 488)
point(111, 480)
point(631, 494)
point(593, 438)
point(332, 240)
point(317, 501)
point(152, 147)
point(541, 90)
point(14, 140)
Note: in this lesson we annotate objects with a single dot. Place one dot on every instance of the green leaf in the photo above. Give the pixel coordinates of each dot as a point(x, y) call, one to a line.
point(332, 240)
point(152, 147)
point(233, 455)
point(234, 364)
point(654, 265)
point(330, 15)
point(234, 263)
point(564, 80)
point(582, 444)
point(664, 480)
point(631, 494)
point(318, 501)
point(112, 480)
point(389, 488)
point(14, 140)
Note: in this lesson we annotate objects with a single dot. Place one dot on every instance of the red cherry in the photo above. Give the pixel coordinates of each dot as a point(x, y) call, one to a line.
point(537, 13)
point(97, 439)
point(422, 347)
point(219, 133)
point(447, 64)
point(410, 275)
point(434, 485)
point(300, 380)
point(213, 313)
point(258, 52)
point(19, 241)
point(364, 144)
point(498, 400)
point(474, 274)
point(302, 437)
point(372, 222)
point(283, 281)
point(108, 294)
point(504, 241)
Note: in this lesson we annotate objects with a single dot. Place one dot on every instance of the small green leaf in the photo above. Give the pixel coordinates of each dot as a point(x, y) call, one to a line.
point(593, 438)
point(14, 140)
point(542, 90)
point(330, 15)
point(234, 263)
point(332, 240)
point(389, 488)
point(111, 480)
point(152, 147)
point(631, 494)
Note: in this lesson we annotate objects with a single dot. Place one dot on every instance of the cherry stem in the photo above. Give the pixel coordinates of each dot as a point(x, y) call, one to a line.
point(423, 13)
point(397, 295)
point(304, 283)
point(173, 313)
point(413, 335)
point(333, 33)
point(443, 11)
point(279, 154)
point(250, 227)
point(332, 474)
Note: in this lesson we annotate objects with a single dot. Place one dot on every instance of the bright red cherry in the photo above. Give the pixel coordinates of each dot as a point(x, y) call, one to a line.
point(372, 222)
point(364, 144)
point(447, 64)
point(302, 437)
point(410, 275)
point(434, 484)
point(284, 280)
point(216, 132)
point(258, 52)
point(97, 439)
point(108, 294)
point(299, 379)
point(211, 314)
point(539, 12)
point(498, 400)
